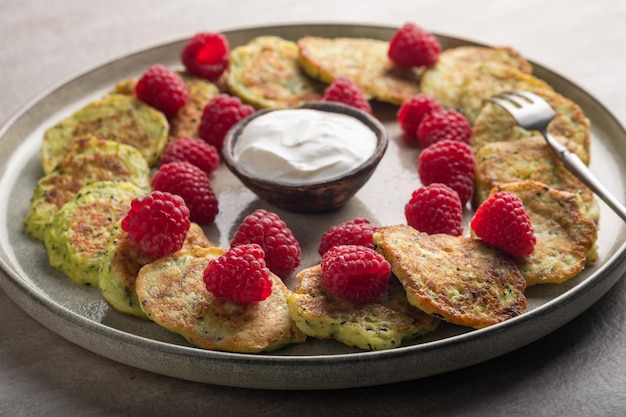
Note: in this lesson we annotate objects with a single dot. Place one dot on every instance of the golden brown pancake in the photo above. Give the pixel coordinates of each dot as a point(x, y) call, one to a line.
point(565, 235)
point(87, 160)
point(486, 79)
point(77, 236)
point(265, 73)
point(172, 292)
point(443, 80)
point(529, 158)
point(117, 117)
point(122, 262)
point(456, 278)
point(364, 61)
point(378, 325)
point(493, 124)
point(185, 123)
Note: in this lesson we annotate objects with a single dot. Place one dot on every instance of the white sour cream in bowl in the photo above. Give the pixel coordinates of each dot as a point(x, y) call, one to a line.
point(298, 146)
point(309, 159)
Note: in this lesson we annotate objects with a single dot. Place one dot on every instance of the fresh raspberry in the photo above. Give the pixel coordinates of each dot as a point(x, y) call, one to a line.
point(195, 151)
point(502, 221)
point(412, 46)
point(282, 250)
point(219, 115)
point(157, 223)
point(355, 273)
point(163, 89)
point(435, 208)
point(443, 125)
point(412, 112)
point(451, 163)
point(206, 55)
point(192, 184)
point(343, 90)
point(357, 231)
point(240, 275)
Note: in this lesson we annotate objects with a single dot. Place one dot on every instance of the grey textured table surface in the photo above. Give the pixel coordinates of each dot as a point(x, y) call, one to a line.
point(579, 370)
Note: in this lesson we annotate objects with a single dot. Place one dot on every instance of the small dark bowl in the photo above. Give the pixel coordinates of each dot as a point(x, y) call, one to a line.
point(312, 196)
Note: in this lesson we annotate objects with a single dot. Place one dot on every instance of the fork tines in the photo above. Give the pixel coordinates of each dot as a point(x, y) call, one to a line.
point(524, 105)
point(516, 97)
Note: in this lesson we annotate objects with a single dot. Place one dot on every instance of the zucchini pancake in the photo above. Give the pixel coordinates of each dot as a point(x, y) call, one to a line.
point(172, 292)
point(493, 123)
point(565, 235)
point(184, 124)
point(363, 61)
point(529, 158)
point(87, 160)
point(378, 325)
point(443, 80)
point(121, 264)
point(458, 279)
point(265, 73)
point(117, 117)
point(77, 237)
point(487, 79)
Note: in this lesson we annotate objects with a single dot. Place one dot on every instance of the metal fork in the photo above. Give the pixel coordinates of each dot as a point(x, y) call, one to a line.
point(533, 113)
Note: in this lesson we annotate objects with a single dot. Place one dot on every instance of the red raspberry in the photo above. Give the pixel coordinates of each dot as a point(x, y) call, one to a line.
point(157, 223)
point(451, 163)
point(219, 115)
point(502, 221)
point(353, 232)
point(195, 151)
point(443, 125)
point(343, 90)
point(192, 184)
point(282, 250)
point(163, 89)
point(355, 273)
point(240, 275)
point(435, 208)
point(412, 112)
point(412, 46)
point(206, 55)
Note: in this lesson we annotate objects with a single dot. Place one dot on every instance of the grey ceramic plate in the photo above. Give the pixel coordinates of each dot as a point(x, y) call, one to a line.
point(80, 315)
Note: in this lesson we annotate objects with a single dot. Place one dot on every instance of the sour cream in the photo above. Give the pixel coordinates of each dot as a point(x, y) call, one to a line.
point(297, 146)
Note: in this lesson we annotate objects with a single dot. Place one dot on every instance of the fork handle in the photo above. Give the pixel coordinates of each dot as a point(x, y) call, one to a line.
point(578, 168)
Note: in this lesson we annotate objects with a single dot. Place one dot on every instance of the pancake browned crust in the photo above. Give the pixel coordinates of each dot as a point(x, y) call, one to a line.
point(172, 292)
point(77, 236)
point(378, 325)
point(364, 61)
point(443, 80)
point(486, 79)
point(456, 278)
point(565, 235)
point(265, 73)
point(121, 264)
point(529, 158)
point(117, 117)
point(88, 160)
point(493, 124)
